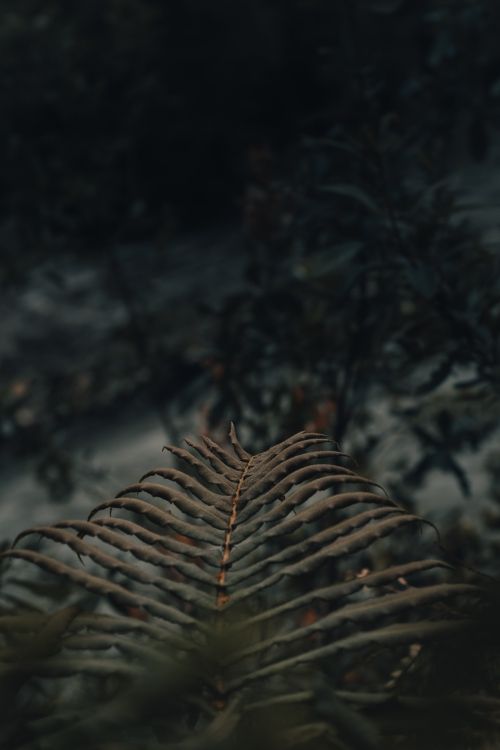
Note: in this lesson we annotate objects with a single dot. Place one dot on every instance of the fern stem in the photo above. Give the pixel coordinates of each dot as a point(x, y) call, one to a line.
point(222, 596)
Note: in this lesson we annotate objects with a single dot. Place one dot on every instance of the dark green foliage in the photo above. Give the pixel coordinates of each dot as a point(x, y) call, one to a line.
point(372, 283)
point(256, 602)
point(372, 309)
point(335, 127)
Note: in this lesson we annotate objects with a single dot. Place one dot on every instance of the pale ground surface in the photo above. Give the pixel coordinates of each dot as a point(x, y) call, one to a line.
point(53, 324)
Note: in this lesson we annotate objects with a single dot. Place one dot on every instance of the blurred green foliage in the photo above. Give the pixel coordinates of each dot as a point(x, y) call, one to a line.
point(331, 130)
point(364, 281)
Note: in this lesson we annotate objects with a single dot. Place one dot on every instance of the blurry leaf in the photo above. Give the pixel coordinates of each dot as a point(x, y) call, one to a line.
point(326, 261)
point(359, 732)
point(438, 376)
point(354, 192)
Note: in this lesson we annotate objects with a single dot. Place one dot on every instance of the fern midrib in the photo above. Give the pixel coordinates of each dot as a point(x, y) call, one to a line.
point(222, 597)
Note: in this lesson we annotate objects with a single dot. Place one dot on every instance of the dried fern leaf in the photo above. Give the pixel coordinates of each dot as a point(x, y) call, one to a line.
point(256, 564)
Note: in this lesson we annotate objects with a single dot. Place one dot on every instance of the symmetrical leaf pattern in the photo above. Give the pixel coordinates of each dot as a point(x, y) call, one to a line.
point(262, 553)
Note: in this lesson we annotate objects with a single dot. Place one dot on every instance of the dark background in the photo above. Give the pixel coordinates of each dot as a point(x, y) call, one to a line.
point(281, 213)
